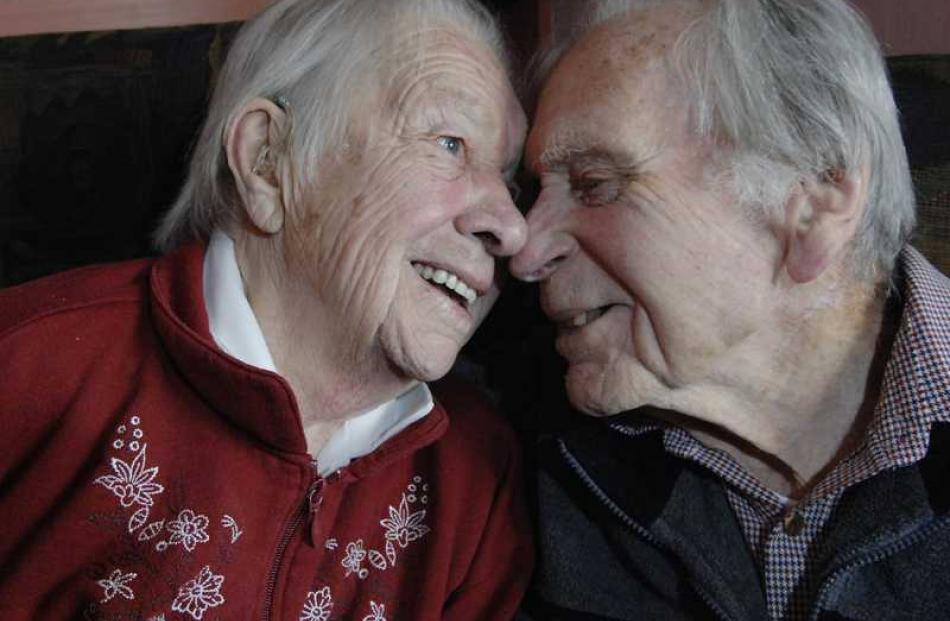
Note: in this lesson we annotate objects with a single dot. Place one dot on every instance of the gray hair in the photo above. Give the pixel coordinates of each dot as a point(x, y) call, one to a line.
point(311, 56)
point(797, 89)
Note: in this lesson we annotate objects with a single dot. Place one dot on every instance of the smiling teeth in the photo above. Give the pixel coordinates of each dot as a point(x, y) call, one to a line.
point(447, 279)
point(582, 319)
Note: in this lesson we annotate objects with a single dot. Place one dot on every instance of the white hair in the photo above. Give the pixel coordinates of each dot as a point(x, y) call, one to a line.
point(797, 89)
point(312, 56)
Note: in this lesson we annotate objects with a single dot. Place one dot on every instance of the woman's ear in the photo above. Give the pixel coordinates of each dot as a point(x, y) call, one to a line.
point(821, 220)
point(254, 145)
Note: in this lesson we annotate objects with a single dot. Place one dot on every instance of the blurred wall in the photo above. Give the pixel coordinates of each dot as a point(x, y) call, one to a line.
point(903, 26)
point(25, 17)
point(910, 26)
point(19, 17)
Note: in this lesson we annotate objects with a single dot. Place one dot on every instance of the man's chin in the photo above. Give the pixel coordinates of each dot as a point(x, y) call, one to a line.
point(597, 392)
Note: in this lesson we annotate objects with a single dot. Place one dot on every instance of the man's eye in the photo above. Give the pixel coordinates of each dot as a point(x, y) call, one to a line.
point(594, 192)
point(451, 144)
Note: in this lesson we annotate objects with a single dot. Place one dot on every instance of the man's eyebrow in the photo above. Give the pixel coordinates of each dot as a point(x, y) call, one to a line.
point(559, 158)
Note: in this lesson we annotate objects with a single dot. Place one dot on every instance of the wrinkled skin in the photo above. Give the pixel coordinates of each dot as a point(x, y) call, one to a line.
point(743, 325)
point(629, 222)
point(423, 179)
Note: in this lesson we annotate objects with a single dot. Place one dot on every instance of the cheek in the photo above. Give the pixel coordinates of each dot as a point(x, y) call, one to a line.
point(655, 258)
point(618, 245)
point(436, 199)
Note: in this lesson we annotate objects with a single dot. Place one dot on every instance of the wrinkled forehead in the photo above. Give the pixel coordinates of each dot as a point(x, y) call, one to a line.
point(617, 69)
point(437, 60)
point(438, 71)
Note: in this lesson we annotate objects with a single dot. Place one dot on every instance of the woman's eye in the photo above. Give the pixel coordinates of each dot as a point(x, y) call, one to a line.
point(451, 144)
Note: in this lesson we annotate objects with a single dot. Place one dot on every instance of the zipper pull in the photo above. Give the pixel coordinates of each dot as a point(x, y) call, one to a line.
point(315, 493)
point(315, 496)
point(312, 504)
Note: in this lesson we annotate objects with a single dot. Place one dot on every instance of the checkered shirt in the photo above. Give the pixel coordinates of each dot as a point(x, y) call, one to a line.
point(915, 393)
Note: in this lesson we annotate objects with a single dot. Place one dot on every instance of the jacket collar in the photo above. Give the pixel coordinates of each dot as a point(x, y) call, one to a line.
point(254, 399)
point(679, 505)
point(917, 377)
point(235, 329)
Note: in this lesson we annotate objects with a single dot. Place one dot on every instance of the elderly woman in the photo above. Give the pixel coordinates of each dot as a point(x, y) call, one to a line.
point(241, 428)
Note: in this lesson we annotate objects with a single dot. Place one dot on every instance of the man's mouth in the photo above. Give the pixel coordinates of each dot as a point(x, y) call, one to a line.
point(579, 320)
point(450, 283)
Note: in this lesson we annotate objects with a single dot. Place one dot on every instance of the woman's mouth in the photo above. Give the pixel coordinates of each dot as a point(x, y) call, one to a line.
point(448, 282)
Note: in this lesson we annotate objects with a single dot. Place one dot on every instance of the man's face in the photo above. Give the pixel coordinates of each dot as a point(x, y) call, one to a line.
point(653, 274)
point(401, 242)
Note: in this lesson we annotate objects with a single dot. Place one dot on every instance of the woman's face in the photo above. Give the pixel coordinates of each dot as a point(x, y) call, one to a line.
point(400, 241)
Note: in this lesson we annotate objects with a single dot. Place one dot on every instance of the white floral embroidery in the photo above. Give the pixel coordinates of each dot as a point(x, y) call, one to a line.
point(132, 483)
point(136, 484)
point(138, 518)
point(229, 522)
point(318, 606)
point(378, 612)
point(403, 526)
point(204, 592)
point(353, 562)
point(377, 560)
point(115, 584)
point(391, 553)
point(152, 530)
point(188, 530)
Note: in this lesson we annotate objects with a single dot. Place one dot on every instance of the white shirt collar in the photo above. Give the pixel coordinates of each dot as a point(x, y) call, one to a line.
point(235, 330)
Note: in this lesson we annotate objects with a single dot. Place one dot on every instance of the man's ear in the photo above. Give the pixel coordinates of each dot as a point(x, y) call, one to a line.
point(254, 144)
point(821, 219)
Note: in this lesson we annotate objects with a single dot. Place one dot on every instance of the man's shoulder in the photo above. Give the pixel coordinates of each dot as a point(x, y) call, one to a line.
point(918, 376)
point(80, 291)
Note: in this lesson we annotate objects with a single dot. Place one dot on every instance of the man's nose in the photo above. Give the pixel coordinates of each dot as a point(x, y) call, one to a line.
point(548, 243)
point(495, 221)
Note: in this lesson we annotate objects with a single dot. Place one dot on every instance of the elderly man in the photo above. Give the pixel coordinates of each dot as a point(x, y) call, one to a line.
point(240, 429)
point(721, 239)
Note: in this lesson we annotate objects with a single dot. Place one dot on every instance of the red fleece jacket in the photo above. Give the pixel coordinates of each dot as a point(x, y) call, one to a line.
point(145, 474)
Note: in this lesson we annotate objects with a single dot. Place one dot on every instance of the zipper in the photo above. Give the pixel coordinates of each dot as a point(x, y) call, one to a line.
point(631, 524)
point(858, 562)
point(310, 503)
